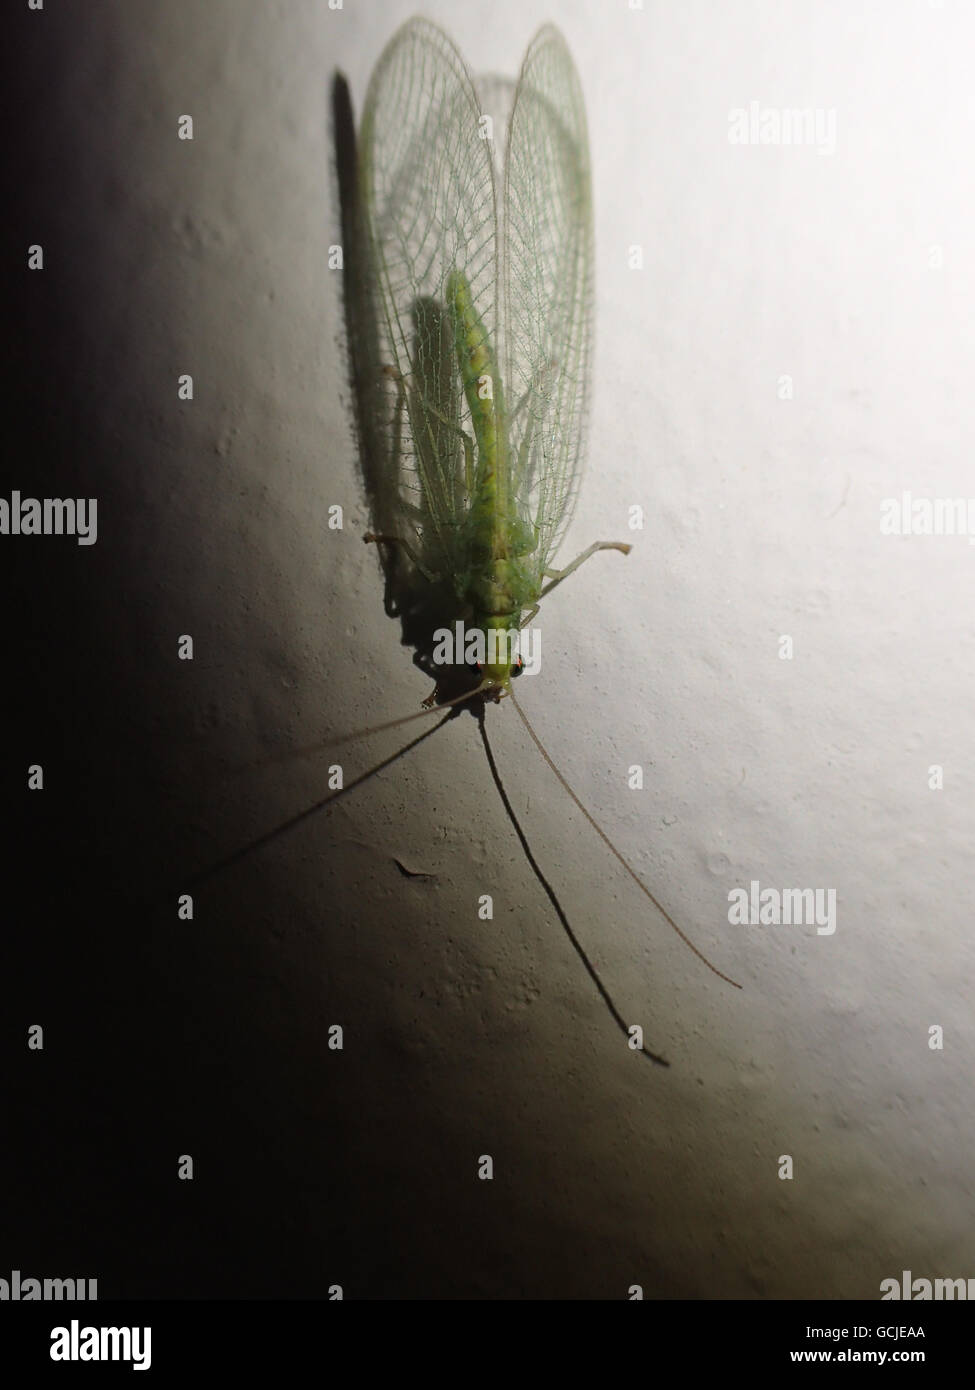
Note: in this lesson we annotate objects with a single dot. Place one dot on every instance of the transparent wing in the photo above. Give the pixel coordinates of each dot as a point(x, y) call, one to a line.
point(428, 187)
point(547, 273)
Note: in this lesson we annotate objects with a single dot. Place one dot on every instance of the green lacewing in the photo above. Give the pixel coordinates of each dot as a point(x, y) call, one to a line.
point(475, 208)
point(480, 234)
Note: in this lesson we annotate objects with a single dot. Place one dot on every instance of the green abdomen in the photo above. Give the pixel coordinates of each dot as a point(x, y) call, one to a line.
point(498, 585)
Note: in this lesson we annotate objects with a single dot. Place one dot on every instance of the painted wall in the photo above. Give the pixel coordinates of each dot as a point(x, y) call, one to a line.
point(796, 348)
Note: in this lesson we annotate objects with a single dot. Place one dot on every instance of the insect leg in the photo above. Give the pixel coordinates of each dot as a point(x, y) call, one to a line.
point(437, 414)
point(466, 440)
point(557, 576)
point(395, 375)
point(370, 536)
point(541, 385)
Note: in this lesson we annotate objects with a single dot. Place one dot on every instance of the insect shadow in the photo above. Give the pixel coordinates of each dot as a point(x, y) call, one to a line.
point(423, 604)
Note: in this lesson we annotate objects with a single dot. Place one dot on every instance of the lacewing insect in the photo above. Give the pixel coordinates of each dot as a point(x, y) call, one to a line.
point(475, 211)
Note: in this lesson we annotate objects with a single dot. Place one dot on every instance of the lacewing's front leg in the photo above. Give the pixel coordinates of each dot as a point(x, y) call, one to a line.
point(556, 576)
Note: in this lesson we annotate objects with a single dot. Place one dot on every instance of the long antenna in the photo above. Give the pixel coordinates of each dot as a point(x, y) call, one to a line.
point(608, 842)
point(536, 870)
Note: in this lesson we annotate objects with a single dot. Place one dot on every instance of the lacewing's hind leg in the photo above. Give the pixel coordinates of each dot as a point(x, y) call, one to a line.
point(435, 413)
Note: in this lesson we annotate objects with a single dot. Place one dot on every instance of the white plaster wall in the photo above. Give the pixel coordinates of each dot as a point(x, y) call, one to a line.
point(762, 519)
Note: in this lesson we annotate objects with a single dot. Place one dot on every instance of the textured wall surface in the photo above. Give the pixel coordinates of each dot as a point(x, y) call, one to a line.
point(846, 266)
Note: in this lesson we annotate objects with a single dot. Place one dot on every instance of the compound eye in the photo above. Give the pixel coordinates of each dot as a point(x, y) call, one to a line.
point(517, 669)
